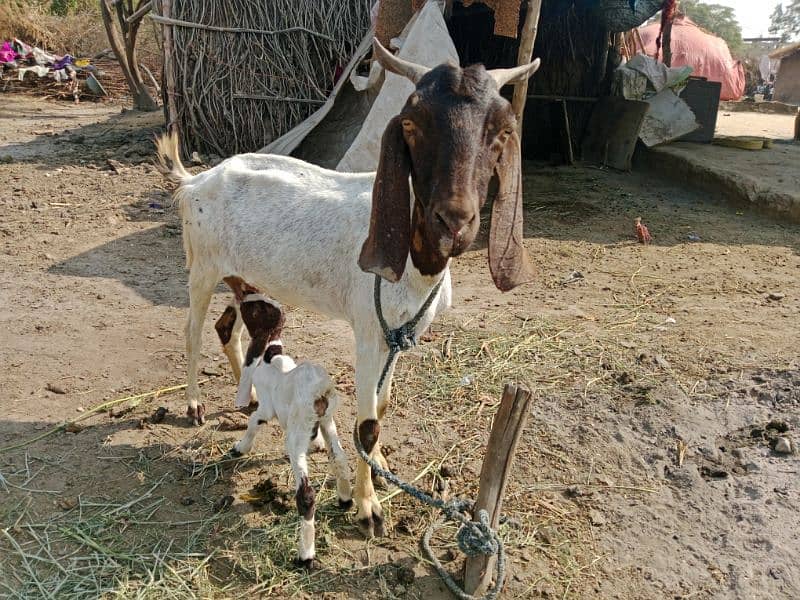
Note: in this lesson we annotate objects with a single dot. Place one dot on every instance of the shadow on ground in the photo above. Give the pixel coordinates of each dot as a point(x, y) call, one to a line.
point(93, 512)
point(126, 136)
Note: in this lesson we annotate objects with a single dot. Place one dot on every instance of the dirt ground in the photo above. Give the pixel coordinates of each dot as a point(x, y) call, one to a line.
point(663, 377)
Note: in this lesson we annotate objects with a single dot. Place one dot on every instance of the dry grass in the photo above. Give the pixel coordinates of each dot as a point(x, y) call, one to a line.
point(100, 548)
point(79, 34)
point(118, 549)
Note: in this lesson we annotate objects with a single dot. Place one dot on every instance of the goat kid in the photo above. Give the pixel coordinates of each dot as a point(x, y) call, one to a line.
point(302, 398)
point(298, 231)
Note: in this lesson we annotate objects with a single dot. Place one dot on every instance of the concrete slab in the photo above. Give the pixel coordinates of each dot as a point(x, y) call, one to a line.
point(776, 126)
point(768, 179)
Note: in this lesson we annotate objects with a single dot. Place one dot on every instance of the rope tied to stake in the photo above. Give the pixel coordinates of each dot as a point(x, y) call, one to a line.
point(474, 537)
point(479, 538)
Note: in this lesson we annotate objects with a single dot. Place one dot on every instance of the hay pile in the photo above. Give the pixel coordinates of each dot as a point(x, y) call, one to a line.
point(245, 72)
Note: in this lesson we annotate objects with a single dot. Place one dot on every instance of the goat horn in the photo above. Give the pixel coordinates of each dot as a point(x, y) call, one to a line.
point(397, 65)
point(504, 76)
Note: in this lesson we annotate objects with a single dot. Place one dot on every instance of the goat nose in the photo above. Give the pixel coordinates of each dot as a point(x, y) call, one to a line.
point(455, 223)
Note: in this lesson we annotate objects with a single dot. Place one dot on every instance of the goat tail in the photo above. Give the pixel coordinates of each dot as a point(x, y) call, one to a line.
point(169, 158)
point(331, 398)
point(168, 162)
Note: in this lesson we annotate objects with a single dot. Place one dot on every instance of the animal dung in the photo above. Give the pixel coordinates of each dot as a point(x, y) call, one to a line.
point(158, 415)
point(223, 503)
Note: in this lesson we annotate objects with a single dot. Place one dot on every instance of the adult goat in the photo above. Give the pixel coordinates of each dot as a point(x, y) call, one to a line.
point(297, 231)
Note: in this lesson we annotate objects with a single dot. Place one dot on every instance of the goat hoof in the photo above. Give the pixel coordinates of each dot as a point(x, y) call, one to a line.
point(366, 528)
point(378, 525)
point(234, 453)
point(249, 409)
point(345, 505)
point(371, 527)
point(307, 564)
point(197, 415)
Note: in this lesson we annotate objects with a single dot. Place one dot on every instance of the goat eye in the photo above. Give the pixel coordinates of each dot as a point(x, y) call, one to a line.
point(504, 134)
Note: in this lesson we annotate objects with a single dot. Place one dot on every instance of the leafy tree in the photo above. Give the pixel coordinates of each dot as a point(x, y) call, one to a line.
point(719, 20)
point(786, 22)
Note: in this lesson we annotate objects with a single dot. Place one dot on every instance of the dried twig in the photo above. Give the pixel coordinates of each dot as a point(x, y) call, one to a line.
point(135, 400)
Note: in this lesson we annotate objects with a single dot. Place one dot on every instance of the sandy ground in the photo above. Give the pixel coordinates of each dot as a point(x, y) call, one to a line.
point(663, 376)
point(751, 123)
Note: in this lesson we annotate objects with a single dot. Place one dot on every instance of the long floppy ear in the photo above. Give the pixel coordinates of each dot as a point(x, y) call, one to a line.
point(508, 259)
point(386, 248)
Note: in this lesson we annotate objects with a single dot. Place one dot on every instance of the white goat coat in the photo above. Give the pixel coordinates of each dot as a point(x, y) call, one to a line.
point(295, 230)
point(287, 391)
point(302, 397)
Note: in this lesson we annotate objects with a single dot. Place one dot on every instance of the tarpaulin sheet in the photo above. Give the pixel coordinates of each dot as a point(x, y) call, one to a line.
point(707, 54)
point(345, 133)
point(428, 44)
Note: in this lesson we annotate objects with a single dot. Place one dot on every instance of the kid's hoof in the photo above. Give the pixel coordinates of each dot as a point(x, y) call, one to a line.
point(197, 415)
point(308, 564)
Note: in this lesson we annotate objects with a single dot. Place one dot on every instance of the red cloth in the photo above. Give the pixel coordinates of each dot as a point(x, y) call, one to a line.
point(707, 54)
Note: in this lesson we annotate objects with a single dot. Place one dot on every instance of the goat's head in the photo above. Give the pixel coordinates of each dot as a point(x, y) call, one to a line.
point(454, 132)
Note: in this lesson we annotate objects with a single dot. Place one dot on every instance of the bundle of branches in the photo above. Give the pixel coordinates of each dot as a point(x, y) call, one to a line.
point(240, 73)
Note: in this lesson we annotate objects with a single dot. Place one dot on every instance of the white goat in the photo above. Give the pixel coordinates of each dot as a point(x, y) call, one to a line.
point(298, 231)
point(303, 399)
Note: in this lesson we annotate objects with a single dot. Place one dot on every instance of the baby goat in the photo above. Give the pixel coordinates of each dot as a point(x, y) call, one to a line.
point(303, 399)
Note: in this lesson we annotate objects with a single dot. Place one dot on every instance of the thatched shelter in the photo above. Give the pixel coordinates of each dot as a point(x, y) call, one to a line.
point(242, 73)
point(239, 73)
point(787, 82)
point(575, 42)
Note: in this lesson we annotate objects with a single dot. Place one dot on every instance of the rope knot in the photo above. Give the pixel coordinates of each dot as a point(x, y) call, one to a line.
point(477, 538)
point(401, 339)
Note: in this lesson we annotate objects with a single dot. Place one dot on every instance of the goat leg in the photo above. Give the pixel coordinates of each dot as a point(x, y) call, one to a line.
point(338, 461)
point(201, 288)
point(305, 497)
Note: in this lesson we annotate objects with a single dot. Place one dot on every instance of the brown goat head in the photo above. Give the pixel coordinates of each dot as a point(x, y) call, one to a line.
point(454, 133)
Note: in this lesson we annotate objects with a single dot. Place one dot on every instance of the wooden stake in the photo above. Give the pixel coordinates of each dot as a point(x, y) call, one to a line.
point(526, 42)
point(506, 430)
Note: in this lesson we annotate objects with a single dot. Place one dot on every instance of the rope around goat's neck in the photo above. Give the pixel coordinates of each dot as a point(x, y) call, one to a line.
point(404, 337)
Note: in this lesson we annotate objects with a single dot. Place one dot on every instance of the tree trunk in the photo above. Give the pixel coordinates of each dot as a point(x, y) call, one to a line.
point(124, 46)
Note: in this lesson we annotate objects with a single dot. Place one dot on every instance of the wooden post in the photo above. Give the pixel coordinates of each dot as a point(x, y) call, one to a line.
point(526, 42)
point(567, 133)
point(168, 77)
point(666, 43)
point(506, 430)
